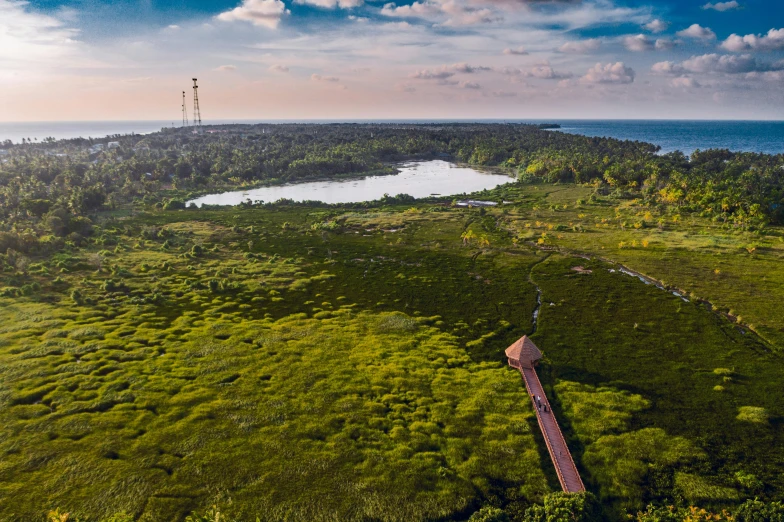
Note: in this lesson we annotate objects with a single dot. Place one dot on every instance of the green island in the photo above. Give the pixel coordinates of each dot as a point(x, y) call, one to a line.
point(303, 361)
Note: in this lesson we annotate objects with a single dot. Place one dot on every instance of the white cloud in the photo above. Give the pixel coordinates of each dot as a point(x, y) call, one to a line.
point(331, 4)
point(729, 64)
point(226, 68)
point(722, 6)
point(717, 64)
point(261, 13)
point(665, 44)
point(518, 51)
point(173, 27)
point(469, 85)
point(656, 26)
point(359, 19)
point(697, 32)
point(503, 94)
point(581, 46)
point(29, 39)
point(404, 87)
point(638, 43)
point(320, 78)
point(454, 12)
point(609, 73)
point(277, 68)
point(447, 71)
point(546, 72)
point(667, 68)
point(772, 41)
point(684, 83)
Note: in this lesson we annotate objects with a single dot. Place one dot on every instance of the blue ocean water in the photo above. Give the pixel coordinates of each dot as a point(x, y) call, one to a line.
point(683, 135)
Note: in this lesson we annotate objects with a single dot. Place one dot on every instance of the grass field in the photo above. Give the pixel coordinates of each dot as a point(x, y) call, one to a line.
point(328, 363)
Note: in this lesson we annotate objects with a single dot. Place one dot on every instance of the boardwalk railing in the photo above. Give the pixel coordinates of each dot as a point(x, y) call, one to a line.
point(565, 468)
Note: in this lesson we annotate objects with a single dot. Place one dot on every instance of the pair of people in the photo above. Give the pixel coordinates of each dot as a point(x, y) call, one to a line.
point(538, 401)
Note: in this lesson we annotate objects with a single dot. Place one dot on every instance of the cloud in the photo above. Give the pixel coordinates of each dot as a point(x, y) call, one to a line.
point(469, 85)
point(358, 19)
point(173, 27)
point(722, 6)
point(320, 78)
point(656, 26)
point(697, 32)
point(518, 51)
point(29, 39)
point(332, 4)
point(456, 13)
point(638, 43)
point(665, 44)
point(404, 87)
point(225, 68)
point(546, 72)
point(261, 13)
point(772, 41)
point(447, 71)
point(717, 64)
point(684, 83)
point(581, 46)
point(729, 64)
point(609, 73)
point(503, 94)
point(277, 68)
point(667, 68)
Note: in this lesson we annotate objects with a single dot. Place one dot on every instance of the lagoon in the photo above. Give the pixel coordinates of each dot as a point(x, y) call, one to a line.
point(419, 179)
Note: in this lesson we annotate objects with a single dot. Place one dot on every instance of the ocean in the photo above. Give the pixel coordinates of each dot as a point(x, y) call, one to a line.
point(670, 135)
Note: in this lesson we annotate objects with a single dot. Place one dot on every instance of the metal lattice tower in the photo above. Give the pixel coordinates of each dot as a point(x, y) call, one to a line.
point(184, 111)
point(196, 111)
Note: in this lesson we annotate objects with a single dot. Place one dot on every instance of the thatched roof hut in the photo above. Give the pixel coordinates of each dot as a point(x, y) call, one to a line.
point(523, 353)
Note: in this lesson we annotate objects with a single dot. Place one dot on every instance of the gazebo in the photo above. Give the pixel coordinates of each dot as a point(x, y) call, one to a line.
point(523, 353)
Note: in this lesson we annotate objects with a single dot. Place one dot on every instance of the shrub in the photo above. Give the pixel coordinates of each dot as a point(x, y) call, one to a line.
point(758, 511)
point(489, 514)
point(753, 414)
point(566, 507)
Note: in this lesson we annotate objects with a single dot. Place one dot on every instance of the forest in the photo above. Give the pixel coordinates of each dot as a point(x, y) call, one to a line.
point(301, 361)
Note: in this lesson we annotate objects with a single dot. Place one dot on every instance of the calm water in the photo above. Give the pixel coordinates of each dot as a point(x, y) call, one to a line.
point(686, 136)
point(418, 179)
point(750, 136)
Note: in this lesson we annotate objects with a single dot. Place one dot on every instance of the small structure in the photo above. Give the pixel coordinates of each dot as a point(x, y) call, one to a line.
point(113, 145)
point(523, 353)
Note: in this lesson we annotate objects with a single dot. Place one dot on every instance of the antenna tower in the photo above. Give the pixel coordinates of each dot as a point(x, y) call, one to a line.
point(196, 111)
point(184, 111)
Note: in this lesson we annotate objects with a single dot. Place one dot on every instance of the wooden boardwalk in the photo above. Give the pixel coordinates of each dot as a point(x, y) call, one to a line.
point(556, 445)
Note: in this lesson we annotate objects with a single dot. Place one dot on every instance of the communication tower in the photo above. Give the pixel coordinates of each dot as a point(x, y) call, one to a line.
point(196, 111)
point(184, 111)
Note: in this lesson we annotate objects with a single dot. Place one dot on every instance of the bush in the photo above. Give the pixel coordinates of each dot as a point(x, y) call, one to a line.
point(489, 514)
point(566, 507)
point(758, 511)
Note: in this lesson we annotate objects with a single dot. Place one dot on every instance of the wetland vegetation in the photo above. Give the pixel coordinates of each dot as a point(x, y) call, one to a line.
point(293, 361)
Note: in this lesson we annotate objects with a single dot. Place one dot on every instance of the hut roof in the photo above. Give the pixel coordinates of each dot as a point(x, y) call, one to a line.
point(524, 349)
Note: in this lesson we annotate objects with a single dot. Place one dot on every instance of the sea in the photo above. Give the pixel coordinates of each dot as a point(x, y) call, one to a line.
point(670, 135)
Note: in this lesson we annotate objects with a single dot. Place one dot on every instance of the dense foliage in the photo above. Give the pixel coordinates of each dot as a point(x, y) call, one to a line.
point(48, 190)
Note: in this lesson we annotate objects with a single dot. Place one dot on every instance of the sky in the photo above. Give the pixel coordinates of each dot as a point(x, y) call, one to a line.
point(71, 60)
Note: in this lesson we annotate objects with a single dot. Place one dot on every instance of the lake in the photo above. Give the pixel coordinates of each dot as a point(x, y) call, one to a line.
point(420, 179)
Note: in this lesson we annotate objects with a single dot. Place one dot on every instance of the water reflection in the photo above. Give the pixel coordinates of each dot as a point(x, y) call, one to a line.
point(419, 179)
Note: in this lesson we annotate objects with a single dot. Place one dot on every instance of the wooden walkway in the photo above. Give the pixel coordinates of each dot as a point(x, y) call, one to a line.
point(556, 445)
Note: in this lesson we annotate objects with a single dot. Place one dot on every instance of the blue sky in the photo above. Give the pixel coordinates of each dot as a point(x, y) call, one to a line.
point(91, 59)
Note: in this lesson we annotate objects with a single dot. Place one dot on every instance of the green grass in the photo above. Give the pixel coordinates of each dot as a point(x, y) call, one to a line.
point(356, 372)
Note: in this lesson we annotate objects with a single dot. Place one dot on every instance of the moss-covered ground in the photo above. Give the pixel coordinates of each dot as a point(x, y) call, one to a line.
point(324, 363)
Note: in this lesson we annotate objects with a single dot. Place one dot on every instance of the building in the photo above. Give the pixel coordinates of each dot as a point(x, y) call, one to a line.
point(523, 353)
